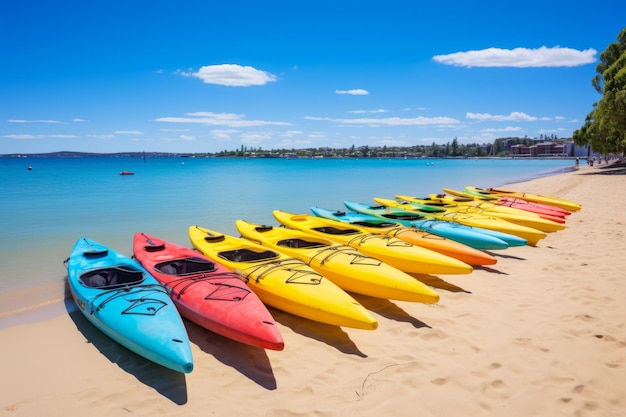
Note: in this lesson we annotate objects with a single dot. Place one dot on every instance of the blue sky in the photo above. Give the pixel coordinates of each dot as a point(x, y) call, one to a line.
point(207, 76)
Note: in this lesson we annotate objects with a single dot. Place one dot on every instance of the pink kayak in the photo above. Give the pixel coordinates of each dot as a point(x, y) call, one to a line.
point(538, 208)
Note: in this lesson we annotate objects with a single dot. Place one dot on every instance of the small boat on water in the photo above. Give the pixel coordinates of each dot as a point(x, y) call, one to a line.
point(127, 173)
point(119, 297)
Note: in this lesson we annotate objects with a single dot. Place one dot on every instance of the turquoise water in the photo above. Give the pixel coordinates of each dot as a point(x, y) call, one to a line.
point(43, 211)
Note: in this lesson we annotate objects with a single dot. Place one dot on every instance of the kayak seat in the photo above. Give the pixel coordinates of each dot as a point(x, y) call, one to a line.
point(185, 266)
point(407, 217)
point(111, 277)
point(95, 253)
point(334, 231)
point(378, 225)
point(300, 243)
point(247, 255)
point(154, 248)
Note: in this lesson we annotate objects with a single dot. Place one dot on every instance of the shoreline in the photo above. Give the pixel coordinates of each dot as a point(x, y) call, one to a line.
point(540, 333)
point(25, 299)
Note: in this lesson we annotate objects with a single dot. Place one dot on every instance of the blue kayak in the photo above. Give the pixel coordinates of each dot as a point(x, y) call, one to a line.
point(449, 231)
point(412, 209)
point(474, 237)
point(127, 304)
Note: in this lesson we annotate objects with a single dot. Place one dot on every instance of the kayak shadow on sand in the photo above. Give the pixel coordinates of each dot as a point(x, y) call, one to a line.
point(167, 382)
point(490, 270)
point(326, 333)
point(250, 361)
point(389, 310)
point(436, 282)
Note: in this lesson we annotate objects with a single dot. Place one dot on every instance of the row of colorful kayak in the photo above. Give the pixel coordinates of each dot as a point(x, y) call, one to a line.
point(307, 266)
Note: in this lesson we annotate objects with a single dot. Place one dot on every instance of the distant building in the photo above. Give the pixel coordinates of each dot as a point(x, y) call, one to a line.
point(552, 149)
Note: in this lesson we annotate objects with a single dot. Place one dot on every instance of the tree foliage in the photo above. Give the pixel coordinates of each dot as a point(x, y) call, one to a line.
point(605, 127)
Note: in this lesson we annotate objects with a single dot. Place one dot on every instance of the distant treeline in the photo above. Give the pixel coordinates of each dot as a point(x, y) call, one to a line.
point(499, 148)
point(453, 149)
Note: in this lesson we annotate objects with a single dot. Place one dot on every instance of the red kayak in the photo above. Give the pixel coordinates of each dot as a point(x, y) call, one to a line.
point(207, 293)
point(538, 208)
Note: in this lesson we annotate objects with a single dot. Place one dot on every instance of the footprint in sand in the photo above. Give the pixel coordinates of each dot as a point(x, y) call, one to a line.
point(439, 381)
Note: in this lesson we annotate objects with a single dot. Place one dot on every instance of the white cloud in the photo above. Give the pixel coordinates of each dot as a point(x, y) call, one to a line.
point(514, 116)
point(368, 111)
point(291, 143)
point(105, 137)
point(174, 130)
point(355, 92)
point(29, 136)
point(187, 137)
point(291, 133)
point(519, 57)
point(254, 138)
point(391, 121)
point(231, 75)
point(128, 132)
point(36, 121)
point(502, 130)
point(219, 119)
point(223, 134)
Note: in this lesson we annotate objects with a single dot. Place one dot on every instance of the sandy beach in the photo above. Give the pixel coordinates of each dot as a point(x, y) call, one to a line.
point(541, 333)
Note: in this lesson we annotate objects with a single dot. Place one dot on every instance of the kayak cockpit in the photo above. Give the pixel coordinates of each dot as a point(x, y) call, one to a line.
point(247, 255)
point(112, 277)
point(297, 243)
point(186, 266)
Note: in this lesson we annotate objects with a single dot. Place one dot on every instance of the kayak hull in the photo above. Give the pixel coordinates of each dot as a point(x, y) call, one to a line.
point(530, 235)
point(432, 241)
point(475, 237)
point(207, 293)
point(343, 265)
point(537, 198)
point(282, 282)
point(391, 250)
point(126, 303)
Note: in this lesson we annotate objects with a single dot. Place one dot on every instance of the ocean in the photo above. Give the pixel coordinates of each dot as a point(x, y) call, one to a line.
point(44, 210)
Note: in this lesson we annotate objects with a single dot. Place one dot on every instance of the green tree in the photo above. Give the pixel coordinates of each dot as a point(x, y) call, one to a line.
point(605, 127)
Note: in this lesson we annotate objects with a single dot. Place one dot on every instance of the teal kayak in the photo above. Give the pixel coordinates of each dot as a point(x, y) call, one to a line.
point(460, 234)
point(409, 208)
point(126, 303)
point(475, 237)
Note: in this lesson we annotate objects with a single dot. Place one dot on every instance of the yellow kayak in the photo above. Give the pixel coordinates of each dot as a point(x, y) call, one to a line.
point(484, 208)
point(391, 250)
point(417, 237)
point(344, 265)
point(532, 235)
point(536, 198)
point(283, 282)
